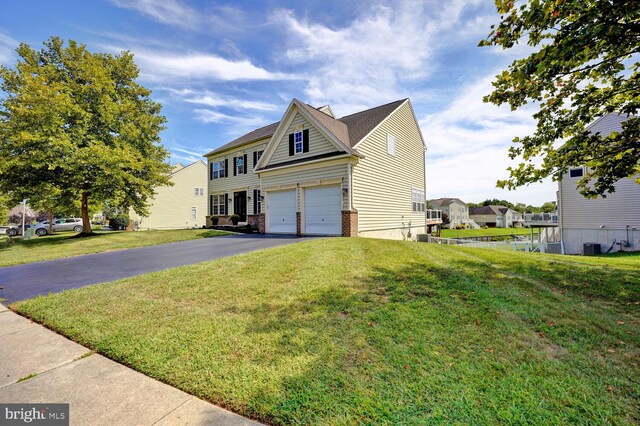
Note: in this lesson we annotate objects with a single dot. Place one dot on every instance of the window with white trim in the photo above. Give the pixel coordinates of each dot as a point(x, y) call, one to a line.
point(391, 145)
point(258, 202)
point(418, 200)
point(298, 143)
point(218, 170)
point(240, 165)
point(194, 213)
point(577, 172)
point(217, 205)
point(199, 192)
point(258, 155)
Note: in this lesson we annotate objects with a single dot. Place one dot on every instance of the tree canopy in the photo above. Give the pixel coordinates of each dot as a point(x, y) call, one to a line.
point(75, 125)
point(584, 65)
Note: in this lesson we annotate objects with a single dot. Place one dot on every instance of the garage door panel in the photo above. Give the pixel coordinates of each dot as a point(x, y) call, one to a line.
point(282, 212)
point(323, 210)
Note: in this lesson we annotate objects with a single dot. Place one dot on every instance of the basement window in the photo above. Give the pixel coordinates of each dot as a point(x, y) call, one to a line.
point(577, 172)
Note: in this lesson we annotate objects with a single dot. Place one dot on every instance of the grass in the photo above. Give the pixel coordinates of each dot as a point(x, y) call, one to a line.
point(462, 233)
point(344, 331)
point(16, 251)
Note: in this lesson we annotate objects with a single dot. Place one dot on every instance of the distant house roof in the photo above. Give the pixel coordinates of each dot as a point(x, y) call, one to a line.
point(497, 210)
point(179, 167)
point(349, 129)
point(441, 202)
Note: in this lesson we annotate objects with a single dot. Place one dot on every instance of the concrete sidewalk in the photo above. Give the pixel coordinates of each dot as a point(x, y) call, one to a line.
point(98, 390)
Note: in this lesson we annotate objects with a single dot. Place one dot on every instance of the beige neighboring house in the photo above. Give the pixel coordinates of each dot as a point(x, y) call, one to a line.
point(183, 205)
point(456, 209)
point(608, 222)
point(314, 174)
point(496, 217)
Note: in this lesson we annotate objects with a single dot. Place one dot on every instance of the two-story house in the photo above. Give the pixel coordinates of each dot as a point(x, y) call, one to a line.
point(182, 205)
point(495, 216)
point(608, 223)
point(313, 174)
point(456, 210)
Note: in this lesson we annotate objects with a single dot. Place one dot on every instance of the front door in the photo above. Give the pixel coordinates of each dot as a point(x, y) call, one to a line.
point(240, 205)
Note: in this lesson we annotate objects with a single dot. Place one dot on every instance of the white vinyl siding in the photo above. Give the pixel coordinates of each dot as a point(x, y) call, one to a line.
point(382, 183)
point(318, 144)
point(243, 182)
point(618, 210)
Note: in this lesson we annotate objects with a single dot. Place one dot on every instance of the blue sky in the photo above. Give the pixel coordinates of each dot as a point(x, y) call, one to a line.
point(221, 69)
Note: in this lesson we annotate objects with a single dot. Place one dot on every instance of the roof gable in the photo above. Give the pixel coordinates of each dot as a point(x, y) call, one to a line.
point(333, 131)
point(348, 131)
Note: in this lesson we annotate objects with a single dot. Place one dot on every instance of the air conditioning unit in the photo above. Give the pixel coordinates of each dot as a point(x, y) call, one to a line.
point(589, 249)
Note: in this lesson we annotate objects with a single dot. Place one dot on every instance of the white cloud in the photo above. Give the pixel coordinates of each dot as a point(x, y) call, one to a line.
point(212, 19)
point(234, 125)
point(160, 66)
point(8, 46)
point(212, 99)
point(377, 56)
point(468, 145)
point(169, 12)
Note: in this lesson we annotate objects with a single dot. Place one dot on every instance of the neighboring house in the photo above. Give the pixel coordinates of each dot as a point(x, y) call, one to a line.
point(599, 221)
point(183, 205)
point(495, 216)
point(313, 174)
point(456, 209)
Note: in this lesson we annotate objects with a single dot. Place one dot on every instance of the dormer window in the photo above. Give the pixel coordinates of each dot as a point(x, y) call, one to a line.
point(298, 142)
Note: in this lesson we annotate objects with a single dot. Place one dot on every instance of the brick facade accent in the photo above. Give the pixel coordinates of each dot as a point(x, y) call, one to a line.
point(252, 219)
point(222, 220)
point(261, 225)
point(349, 223)
point(298, 223)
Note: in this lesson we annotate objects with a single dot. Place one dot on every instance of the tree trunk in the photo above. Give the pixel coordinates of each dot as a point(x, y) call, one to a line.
point(50, 221)
point(86, 223)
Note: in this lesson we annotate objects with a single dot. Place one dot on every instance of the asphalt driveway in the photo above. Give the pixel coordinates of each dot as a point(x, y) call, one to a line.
point(26, 281)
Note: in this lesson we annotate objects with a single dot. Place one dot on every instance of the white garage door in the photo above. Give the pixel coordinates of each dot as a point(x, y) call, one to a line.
point(282, 212)
point(322, 210)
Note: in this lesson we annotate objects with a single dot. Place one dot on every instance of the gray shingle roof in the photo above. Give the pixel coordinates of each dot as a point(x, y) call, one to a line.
point(488, 210)
point(445, 201)
point(349, 129)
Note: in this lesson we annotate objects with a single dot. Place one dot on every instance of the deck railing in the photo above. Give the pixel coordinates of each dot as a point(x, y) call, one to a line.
point(540, 218)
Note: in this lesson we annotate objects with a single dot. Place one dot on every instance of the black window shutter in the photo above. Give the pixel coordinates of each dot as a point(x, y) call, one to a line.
point(246, 165)
point(291, 151)
point(226, 205)
point(255, 158)
point(226, 167)
point(305, 140)
point(234, 166)
point(255, 201)
point(210, 205)
point(210, 171)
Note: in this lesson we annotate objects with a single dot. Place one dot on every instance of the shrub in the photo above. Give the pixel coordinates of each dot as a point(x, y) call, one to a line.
point(234, 219)
point(214, 220)
point(485, 227)
point(120, 221)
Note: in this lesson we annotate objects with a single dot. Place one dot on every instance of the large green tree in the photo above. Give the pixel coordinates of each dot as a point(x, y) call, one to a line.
point(79, 122)
point(583, 65)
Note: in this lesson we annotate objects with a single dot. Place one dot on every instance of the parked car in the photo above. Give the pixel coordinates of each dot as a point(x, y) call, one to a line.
point(65, 224)
point(10, 230)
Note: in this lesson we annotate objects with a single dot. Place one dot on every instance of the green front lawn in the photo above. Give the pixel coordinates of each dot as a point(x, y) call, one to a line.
point(371, 331)
point(463, 233)
point(15, 251)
